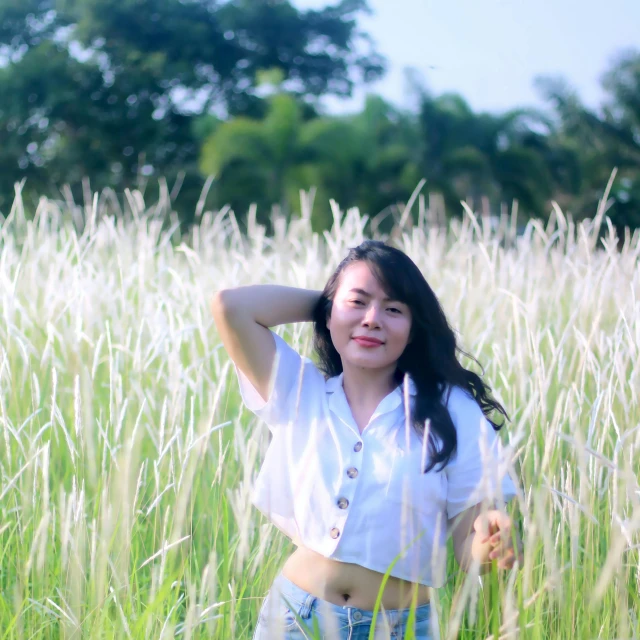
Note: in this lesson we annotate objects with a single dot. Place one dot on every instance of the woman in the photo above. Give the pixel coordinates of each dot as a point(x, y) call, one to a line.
point(350, 474)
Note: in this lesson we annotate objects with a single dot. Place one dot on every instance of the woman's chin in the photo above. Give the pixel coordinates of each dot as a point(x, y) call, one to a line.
point(365, 362)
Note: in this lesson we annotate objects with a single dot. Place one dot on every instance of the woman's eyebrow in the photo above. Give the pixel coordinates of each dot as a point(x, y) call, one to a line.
point(366, 293)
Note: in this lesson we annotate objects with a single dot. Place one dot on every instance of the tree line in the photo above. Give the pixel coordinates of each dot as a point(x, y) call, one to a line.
point(127, 91)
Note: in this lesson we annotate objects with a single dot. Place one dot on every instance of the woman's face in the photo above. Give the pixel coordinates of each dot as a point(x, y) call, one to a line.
point(361, 309)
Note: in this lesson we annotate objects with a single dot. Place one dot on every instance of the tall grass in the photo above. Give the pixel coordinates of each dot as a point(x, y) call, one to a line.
point(127, 460)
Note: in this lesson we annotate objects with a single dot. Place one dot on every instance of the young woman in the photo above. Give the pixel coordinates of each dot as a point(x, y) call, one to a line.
point(378, 453)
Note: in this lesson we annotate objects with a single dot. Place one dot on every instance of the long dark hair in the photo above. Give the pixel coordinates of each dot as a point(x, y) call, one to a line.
point(430, 358)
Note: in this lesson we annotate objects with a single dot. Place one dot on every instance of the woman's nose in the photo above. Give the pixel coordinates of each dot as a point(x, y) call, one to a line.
point(371, 315)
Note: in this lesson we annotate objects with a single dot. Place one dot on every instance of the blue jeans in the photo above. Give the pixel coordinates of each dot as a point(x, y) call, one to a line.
point(277, 622)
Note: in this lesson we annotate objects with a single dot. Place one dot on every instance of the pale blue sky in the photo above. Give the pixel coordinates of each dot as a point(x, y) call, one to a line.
point(491, 50)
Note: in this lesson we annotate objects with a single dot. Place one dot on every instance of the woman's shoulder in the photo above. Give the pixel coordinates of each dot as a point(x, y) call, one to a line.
point(468, 418)
point(462, 406)
point(308, 373)
point(454, 395)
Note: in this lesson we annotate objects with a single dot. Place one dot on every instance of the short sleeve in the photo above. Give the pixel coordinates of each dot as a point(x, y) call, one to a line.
point(288, 367)
point(479, 469)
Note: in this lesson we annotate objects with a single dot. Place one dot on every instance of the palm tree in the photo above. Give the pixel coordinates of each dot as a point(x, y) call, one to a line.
point(365, 159)
point(358, 160)
point(605, 140)
point(467, 155)
point(262, 154)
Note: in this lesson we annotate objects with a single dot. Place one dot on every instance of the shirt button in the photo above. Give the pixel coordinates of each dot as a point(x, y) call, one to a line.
point(358, 446)
point(334, 533)
point(352, 472)
point(343, 503)
point(357, 615)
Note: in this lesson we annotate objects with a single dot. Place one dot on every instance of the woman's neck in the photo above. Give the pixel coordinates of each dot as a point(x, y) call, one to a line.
point(365, 388)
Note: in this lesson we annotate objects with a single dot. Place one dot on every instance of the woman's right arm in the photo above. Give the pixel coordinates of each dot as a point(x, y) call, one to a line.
point(243, 316)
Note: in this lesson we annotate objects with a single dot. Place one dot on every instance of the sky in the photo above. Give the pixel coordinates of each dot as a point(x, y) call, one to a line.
point(490, 51)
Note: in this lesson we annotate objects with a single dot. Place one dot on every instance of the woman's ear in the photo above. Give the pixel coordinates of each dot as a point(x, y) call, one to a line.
point(327, 317)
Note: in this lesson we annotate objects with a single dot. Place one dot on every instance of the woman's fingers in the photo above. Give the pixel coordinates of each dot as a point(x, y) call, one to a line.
point(505, 559)
point(506, 556)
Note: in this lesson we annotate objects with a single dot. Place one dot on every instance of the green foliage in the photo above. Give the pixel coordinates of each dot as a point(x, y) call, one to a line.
point(266, 150)
point(106, 88)
point(605, 140)
point(357, 160)
point(124, 92)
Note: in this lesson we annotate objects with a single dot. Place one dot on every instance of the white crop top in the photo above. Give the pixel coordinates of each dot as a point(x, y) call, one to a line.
point(362, 498)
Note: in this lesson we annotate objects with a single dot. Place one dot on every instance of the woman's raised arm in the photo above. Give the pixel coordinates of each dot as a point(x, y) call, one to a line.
point(243, 316)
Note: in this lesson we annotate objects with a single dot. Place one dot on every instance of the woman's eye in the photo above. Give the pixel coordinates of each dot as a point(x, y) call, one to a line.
point(396, 310)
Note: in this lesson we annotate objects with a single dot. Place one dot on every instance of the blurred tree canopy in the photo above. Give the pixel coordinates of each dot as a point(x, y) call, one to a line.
point(605, 140)
point(126, 92)
point(108, 88)
point(362, 158)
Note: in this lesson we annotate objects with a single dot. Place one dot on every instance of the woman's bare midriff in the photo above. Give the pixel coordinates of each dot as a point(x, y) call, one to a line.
point(348, 584)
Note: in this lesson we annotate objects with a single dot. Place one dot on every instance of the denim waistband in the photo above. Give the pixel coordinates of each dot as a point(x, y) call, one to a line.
point(300, 597)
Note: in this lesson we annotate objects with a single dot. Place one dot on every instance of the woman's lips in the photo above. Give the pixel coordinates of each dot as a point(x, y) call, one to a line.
point(363, 342)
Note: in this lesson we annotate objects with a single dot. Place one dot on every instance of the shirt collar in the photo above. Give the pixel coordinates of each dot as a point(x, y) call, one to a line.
point(388, 406)
point(335, 383)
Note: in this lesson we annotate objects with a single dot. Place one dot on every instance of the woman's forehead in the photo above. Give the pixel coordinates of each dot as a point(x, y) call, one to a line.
point(360, 276)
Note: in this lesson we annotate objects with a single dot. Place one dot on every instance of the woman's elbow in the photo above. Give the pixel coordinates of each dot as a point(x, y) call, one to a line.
point(220, 301)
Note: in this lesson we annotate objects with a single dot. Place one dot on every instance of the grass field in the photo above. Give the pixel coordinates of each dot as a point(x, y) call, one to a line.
point(127, 460)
